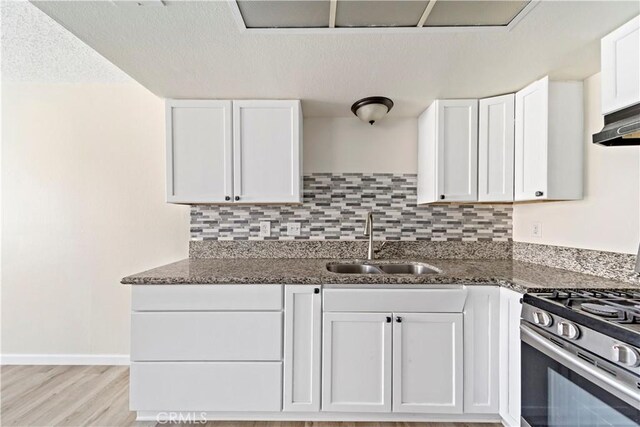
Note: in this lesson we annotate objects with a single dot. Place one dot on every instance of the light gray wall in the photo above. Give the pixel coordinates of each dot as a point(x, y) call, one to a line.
point(350, 145)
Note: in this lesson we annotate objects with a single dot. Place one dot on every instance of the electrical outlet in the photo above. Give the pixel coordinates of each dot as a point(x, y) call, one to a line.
point(265, 228)
point(536, 229)
point(293, 229)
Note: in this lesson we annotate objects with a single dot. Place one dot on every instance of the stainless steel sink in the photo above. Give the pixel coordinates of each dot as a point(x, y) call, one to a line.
point(353, 269)
point(414, 269)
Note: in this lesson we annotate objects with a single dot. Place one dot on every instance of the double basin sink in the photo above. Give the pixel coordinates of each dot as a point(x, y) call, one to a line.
point(416, 269)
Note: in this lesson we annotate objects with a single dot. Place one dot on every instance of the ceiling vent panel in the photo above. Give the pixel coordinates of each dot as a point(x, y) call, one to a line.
point(285, 13)
point(456, 13)
point(379, 13)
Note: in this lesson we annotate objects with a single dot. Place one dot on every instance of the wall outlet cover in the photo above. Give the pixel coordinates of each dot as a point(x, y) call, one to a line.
point(265, 228)
point(536, 229)
point(293, 229)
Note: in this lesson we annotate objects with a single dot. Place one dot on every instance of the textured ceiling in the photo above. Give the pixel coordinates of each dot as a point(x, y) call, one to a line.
point(35, 48)
point(196, 50)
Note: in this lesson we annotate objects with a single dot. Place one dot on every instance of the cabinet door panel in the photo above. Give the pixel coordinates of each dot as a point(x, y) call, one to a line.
point(495, 149)
point(356, 362)
point(510, 311)
point(427, 363)
point(481, 349)
point(206, 335)
point(302, 343)
point(620, 51)
point(531, 137)
point(206, 386)
point(199, 163)
point(457, 144)
point(266, 144)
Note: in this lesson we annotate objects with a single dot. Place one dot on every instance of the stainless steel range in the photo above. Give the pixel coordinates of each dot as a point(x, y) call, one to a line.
point(581, 359)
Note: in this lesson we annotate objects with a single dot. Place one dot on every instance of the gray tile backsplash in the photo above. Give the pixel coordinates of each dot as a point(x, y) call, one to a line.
point(334, 208)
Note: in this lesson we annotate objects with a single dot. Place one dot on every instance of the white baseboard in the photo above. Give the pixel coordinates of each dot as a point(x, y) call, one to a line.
point(64, 359)
point(198, 417)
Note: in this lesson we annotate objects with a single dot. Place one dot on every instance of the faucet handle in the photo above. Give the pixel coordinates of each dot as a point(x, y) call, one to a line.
point(380, 248)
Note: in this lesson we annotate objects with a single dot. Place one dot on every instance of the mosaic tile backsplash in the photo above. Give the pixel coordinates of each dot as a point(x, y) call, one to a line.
point(335, 207)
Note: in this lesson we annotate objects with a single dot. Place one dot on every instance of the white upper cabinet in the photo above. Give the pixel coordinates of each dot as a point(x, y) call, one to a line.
point(266, 151)
point(448, 152)
point(495, 149)
point(427, 362)
point(199, 150)
point(549, 141)
point(620, 57)
point(234, 151)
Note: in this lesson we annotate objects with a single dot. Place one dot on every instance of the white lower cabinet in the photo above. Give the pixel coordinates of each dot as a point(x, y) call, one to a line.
point(356, 362)
point(481, 349)
point(206, 348)
point(302, 343)
point(427, 362)
point(510, 310)
point(394, 353)
point(415, 357)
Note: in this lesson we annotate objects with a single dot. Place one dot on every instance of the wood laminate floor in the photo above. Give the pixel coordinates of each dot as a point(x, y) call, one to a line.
point(99, 396)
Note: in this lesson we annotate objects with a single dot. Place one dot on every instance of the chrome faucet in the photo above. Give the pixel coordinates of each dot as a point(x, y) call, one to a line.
point(368, 231)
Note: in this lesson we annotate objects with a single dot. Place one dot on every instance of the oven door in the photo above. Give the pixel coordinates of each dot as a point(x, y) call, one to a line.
point(560, 388)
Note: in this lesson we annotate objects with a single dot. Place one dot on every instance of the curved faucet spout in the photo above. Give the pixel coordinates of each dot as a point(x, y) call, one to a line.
point(368, 231)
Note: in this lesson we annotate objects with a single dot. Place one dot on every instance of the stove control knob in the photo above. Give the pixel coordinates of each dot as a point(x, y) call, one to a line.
point(543, 319)
point(626, 355)
point(568, 330)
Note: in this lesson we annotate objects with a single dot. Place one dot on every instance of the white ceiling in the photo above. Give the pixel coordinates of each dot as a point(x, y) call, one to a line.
point(196, 50)
point(35, 48)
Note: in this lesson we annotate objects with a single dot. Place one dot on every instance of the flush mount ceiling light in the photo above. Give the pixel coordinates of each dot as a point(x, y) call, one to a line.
point(372, 108)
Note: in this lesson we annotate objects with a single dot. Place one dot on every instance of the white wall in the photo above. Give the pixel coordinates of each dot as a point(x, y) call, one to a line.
point(83, 194)
point(350, 145)
point(608, 218)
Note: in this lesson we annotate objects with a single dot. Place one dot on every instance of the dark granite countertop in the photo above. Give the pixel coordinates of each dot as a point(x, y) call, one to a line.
point(520, 276)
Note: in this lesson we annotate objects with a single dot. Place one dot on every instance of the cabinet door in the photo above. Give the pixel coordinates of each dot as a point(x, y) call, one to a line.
point(620, 57)
point(356, 362)
point(457, 149)
point(199, 159)
point(302, 318)
point(481, 350)
point(267, 140)
point(510, 311)
point(495, 149)
point(427, 362)
point(532, 108)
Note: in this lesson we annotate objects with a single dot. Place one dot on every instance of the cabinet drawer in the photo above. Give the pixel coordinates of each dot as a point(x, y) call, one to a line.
point(214, 386)
point(206, 336)
point(206, 297)
point(443, 300)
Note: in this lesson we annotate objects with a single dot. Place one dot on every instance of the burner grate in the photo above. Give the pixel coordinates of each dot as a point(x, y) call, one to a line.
point(614, 306)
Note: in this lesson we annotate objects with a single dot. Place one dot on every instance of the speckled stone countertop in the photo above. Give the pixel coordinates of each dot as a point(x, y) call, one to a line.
point(519, 276)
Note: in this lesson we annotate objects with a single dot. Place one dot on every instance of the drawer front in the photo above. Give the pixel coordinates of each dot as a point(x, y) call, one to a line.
point(440, 300)
point(213, 386)
point(206, 297)
point(228, 336)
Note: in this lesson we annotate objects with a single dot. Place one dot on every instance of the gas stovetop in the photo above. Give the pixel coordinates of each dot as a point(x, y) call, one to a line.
point(603, 311)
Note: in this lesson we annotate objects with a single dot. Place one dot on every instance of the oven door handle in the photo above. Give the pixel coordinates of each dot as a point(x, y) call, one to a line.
point(588, 371)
